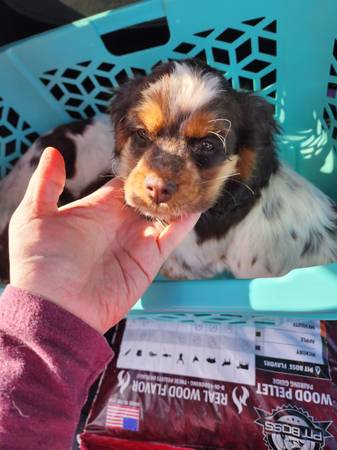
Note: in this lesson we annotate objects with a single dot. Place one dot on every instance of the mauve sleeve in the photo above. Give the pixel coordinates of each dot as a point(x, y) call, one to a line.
point(48, 360)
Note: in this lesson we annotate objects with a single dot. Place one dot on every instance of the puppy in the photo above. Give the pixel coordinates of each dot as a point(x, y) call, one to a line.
point(184, 141)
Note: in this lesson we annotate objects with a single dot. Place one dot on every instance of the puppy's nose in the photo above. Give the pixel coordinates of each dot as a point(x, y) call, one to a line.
point(158, 190)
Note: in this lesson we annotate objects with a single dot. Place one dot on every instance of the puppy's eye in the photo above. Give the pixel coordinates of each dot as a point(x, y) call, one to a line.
point(206, 146)
point(142, 134)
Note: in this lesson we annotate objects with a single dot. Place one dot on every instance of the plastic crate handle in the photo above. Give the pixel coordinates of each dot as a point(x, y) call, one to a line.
point(128, 16)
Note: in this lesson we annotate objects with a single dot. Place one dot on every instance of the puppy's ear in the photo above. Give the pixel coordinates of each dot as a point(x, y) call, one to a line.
point(260, 125)
point(257, 138)
point(125, 96)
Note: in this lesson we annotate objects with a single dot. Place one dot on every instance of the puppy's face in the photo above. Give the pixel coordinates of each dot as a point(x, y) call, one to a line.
point(174, 139)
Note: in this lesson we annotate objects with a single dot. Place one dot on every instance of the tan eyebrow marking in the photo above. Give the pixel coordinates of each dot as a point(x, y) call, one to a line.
point(151, 115)
point(198, 124)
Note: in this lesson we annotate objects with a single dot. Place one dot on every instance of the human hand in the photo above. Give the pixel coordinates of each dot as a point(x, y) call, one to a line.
point(94, 257)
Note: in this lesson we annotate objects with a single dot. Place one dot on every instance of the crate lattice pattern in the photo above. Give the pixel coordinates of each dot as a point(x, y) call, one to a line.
point(246, 54)
point(16, 136)
point(209, 318)
point(330, 111)
point(86, 88)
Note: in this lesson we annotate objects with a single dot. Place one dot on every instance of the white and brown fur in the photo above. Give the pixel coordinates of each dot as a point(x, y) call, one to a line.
point(183, 132)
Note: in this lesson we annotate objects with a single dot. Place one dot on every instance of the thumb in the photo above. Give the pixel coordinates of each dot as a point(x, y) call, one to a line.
point(47, 182)
point(175, 233)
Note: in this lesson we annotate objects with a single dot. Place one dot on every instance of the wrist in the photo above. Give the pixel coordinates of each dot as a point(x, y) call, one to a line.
point(58, 295)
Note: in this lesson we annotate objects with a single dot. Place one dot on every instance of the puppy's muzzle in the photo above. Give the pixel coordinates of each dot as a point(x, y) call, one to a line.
point(158, 189)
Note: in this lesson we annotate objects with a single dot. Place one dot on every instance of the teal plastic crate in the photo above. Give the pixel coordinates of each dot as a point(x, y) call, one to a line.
point(286, 50)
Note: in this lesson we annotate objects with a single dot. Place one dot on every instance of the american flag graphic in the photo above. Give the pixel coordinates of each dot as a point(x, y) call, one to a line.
point(120, 416)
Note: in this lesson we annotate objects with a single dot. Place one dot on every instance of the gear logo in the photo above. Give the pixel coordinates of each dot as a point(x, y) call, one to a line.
point(291, 428)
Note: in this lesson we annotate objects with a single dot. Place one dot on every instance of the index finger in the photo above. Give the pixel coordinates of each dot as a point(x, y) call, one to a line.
point(105, 195)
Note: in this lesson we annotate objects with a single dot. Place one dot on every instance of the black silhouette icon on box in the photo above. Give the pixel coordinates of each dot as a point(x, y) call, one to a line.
point(227, 362)
point(243, 365)
point(211, 360)
point(181, 358)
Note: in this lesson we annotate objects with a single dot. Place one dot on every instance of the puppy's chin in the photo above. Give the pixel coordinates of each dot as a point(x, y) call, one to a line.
point(161, 212)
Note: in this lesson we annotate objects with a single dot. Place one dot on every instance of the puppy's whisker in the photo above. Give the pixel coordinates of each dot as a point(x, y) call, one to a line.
point(222, 119)
point(228, 129)
point(177, 209)
point(245, 185)
point(222, 139)
point(227, 192)
point(225, 177)
point(161, 222)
